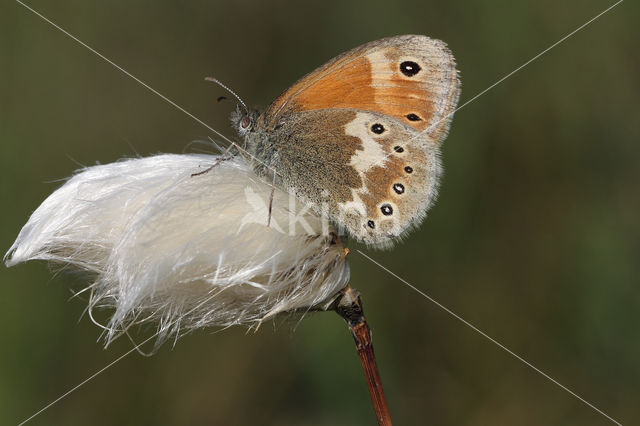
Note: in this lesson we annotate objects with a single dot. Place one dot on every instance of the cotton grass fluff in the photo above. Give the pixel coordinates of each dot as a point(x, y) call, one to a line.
point(185, 251)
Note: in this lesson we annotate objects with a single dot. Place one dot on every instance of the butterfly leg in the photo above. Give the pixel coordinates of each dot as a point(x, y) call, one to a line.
point(273, 189)
point(225, 156)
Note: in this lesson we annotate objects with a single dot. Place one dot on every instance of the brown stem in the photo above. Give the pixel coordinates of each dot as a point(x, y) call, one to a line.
point(349, 307)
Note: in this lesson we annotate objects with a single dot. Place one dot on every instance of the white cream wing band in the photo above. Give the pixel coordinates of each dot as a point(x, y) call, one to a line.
point(183, 251)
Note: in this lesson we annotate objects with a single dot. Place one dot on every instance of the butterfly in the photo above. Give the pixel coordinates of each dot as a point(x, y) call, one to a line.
point(359, 138)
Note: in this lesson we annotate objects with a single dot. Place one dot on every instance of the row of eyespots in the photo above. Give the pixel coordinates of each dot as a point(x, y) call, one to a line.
point(378, 129)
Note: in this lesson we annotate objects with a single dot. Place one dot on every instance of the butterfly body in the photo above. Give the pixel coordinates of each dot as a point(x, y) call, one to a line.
point(359, 137)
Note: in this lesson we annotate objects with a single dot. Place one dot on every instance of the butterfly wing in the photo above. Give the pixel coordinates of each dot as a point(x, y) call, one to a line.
point(410, 77)
point(376, 184)
point(359, 137)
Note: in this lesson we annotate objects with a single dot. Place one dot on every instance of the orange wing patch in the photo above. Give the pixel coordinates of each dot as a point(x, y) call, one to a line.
point(411, 78)
point(350, 87)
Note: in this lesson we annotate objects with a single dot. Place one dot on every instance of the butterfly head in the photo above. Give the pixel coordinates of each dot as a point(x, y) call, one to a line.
point(244, 120)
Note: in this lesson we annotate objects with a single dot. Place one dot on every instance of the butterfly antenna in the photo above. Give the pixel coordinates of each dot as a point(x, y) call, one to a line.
point(219, 83)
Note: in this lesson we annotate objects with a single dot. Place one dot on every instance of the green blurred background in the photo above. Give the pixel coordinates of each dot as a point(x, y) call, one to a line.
point(534, 239)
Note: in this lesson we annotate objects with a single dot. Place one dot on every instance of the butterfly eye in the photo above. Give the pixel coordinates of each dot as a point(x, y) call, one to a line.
point(245, 122)
point(409, 68)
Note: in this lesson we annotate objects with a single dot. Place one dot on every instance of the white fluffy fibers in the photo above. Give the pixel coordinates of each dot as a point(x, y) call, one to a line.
point(183, 251)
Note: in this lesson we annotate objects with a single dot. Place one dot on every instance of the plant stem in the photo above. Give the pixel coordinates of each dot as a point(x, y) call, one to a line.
point(349, 307)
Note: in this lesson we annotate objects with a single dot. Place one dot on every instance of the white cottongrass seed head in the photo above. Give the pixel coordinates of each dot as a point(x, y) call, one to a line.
point(185, 251)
